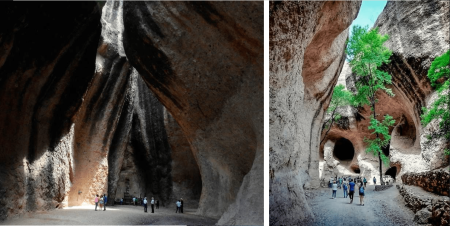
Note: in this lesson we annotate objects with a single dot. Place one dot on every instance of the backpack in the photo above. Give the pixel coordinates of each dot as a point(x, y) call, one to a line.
point(345, 186)
point(361, 190)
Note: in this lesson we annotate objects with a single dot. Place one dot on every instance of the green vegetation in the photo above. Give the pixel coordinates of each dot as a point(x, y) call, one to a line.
point(341, 97)
point(439, 74)
point(366, 53)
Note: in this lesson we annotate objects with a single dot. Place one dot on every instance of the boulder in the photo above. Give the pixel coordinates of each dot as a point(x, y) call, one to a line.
point(422, 216)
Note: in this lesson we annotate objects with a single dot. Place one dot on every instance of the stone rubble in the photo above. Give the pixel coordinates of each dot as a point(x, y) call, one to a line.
point(429, 208)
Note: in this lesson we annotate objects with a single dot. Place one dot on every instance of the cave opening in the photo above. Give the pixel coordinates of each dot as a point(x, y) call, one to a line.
point(344, 150)
point(355, 169)
point(392, 172)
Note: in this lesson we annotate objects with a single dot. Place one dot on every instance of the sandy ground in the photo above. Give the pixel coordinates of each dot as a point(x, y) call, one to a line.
point(380, 208)
point(113, 215)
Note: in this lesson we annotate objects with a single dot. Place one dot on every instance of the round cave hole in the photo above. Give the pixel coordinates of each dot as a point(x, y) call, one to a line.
point(343, 150)
point(392, 172)
point(355, 169)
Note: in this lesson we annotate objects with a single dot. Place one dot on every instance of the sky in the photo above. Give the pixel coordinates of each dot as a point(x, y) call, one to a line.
point(368, 14)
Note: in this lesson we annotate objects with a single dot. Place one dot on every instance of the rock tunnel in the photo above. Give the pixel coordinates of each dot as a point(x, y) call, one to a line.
point(99, 100)
point(391, 172)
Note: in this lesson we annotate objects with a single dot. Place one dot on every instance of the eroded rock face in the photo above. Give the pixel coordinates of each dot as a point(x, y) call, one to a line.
point(429, 208)
point(47, 60)
point(436, 181)
point(213, 88)
point(186, 179)
point(307, 42)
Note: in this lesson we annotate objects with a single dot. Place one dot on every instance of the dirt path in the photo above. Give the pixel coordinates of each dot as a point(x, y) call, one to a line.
point(123, 215)
point(381, 208)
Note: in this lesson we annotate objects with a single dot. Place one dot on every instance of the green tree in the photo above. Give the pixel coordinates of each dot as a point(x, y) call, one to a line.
point(341, 97)
point(439, 74)
point(366, 54)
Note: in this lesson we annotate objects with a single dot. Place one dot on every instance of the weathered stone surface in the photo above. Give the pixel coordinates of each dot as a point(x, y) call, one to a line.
point(436, 181)
point(47, 60)
point(422, 216)
point(186, 179)
point(213, 88)
point(307, 41)
point(429, 207)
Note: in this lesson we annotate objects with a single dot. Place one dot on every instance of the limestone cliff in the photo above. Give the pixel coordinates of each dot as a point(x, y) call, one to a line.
point(307, 42)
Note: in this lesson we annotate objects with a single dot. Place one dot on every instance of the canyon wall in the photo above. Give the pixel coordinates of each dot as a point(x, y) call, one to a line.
point(47, 55)
point(415, 45)
point(204, 62)
point(307, 43)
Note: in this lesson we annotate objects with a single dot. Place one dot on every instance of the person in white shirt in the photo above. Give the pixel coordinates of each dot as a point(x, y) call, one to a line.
point(145, 204)
point(178, 206)
point(153, 204)
point(334, 187)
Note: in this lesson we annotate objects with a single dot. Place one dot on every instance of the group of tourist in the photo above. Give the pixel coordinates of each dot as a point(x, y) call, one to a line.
point(104, 199)
point(348, 185)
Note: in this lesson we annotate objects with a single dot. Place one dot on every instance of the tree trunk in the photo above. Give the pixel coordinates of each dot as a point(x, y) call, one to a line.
point(379, 153)
point(329, 128)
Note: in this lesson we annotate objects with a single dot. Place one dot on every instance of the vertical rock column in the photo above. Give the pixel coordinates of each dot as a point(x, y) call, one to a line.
point(97, 122)
point(47, 55)
point(307, 42)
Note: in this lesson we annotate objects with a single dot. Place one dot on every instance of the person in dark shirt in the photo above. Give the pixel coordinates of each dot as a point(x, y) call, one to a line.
point(351, 191)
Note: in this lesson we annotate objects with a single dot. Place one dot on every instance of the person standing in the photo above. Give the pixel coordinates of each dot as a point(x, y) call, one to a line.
point(182, 204)
point(153, 205)
point(334, 188)
point(330, 182)
point(352, 190)
point(361, 194)
point(96, 202)
point(105, 200)
point(178, 206)
point(121, 201)
point(345, 187)
point(133, 201)
point(365, 182)
point(374, 180)
point(101, 202)
point(145, 204)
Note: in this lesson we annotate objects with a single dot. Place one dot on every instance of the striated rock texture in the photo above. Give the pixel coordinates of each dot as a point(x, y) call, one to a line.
point(204, 62)
point(436, 181)
point(151, 150)
point(47, 55)
point(415, 45)
point(307, 42)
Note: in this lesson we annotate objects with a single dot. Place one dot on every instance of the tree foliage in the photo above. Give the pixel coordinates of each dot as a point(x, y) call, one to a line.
point(366, 53)
point(341, 97)
point(439, 75)
point(382, 128)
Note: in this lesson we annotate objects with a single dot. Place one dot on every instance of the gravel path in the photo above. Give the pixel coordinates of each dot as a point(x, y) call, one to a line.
point(116, 215)
point(380, 208)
